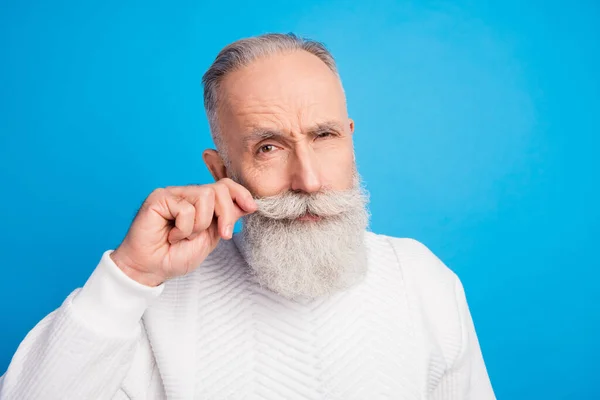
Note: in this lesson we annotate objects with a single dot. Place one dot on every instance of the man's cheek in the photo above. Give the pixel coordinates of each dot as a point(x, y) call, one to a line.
point(266, 183)
point(339, 173)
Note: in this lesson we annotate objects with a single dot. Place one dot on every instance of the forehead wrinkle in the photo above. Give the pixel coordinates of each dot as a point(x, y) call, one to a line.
point(287, 118)
point(258, 114)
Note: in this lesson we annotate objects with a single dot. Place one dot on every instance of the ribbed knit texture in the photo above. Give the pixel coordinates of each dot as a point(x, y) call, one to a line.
point(405, 332)
point(63, 359)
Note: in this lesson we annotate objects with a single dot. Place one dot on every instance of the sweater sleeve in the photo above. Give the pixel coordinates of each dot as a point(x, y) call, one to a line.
point(83, 349)
point(468, 374)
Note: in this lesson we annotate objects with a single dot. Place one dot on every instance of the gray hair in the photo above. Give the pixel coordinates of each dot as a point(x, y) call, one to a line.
point(241, 53)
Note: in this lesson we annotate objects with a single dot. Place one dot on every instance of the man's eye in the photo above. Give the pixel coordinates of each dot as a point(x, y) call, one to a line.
point(266, 148)
point(325, 134)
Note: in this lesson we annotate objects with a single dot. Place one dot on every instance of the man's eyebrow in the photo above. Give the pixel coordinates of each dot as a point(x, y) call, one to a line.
point(327, 126)
point(259, 134)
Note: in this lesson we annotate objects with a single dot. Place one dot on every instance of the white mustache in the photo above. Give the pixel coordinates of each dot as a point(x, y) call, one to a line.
point(292, 205)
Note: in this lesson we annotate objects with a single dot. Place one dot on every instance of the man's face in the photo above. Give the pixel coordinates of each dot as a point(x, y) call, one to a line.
point(288, 140)
point(284, 124)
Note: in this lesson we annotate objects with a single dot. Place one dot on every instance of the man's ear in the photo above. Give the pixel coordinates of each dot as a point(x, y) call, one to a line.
point(215, 164)
point(351, 124)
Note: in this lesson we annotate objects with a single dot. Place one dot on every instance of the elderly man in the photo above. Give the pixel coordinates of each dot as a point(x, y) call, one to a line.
point(304, 303)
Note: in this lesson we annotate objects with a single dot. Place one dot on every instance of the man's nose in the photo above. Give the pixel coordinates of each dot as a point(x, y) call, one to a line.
point(305, 171)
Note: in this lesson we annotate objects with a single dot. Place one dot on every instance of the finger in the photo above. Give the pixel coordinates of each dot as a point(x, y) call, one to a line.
point(226, 210)
point(203, 200)
point(235, 201)
point(162, 203)
point(183, 212)
point(240, 195)
point(205, 209)
point(204, 204)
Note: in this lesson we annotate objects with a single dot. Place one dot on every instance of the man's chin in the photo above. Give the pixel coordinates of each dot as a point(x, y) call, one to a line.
point(306, 258)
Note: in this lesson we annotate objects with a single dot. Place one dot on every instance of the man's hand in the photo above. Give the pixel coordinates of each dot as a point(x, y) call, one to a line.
point(178, 227)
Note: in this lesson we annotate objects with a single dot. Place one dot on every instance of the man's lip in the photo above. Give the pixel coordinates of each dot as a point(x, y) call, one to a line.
point(309, 217)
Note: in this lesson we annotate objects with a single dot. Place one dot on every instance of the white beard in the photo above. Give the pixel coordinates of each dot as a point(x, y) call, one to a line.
point(308, 259)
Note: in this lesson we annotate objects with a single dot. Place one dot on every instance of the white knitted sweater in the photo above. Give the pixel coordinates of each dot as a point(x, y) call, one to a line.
point(404, 332)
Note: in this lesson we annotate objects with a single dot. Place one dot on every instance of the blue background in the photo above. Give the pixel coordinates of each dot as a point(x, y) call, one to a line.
point(477, 134)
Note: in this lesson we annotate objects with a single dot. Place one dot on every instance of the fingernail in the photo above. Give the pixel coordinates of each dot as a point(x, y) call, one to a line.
point(228, 231)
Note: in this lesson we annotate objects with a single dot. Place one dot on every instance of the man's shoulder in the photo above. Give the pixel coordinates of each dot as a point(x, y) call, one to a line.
point(417, 262)
point(433, 290)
